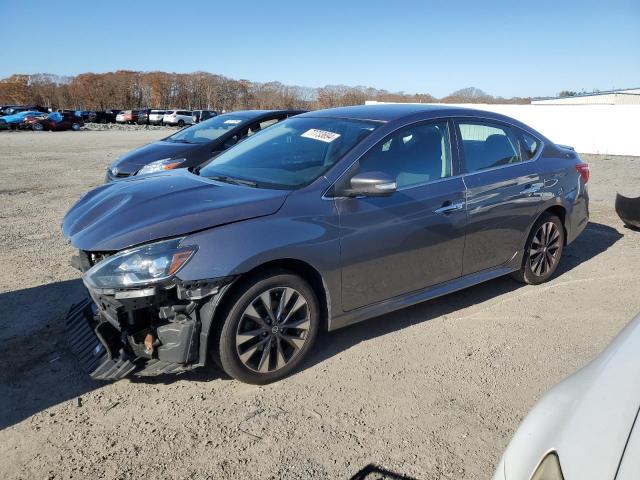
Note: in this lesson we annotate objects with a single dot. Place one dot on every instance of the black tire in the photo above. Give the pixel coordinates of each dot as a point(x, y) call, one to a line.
point(180, 123)
point(225, 348)
point(37, 127)
point(75, 127)
point(541, 260)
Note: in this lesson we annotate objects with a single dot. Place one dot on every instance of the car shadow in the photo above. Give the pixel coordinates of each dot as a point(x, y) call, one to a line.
point(40, 372)
point(594, 240)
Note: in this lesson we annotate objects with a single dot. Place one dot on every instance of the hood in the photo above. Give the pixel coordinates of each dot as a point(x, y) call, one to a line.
point(587, 416)
point(136, 159)
point(141, 209)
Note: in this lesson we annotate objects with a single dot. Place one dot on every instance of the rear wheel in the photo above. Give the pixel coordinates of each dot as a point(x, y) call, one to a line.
point(269, 328)
point(542, 251)
point(75, 127)
point(180, 123)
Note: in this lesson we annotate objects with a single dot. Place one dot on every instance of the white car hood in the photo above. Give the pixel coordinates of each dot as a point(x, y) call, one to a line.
point(586, 419)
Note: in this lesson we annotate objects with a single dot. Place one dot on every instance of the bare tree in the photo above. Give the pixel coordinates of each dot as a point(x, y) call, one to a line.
point(131, 89)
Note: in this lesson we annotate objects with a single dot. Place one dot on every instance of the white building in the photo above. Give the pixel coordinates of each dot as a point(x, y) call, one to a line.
point(630, 96)
point(589, 128)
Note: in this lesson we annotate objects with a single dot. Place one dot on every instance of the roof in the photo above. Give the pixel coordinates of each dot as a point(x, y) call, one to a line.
point(394, 111)
point(258, 113)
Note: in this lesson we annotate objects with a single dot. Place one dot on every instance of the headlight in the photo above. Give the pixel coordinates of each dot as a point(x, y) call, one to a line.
point(138, 266)
point(161, 165)
point(549, 469)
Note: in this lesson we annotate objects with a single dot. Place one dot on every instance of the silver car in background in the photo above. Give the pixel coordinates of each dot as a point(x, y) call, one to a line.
point(156, 117)
point(584, 428)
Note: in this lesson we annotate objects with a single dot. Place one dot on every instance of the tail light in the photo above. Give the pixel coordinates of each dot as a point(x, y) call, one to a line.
point(583, 170)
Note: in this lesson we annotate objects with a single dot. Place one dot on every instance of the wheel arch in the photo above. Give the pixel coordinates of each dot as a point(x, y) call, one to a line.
point(556, 209)
point(212, 311)
point(559, 211)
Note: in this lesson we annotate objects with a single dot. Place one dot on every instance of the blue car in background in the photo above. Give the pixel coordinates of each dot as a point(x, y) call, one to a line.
point(15, 120)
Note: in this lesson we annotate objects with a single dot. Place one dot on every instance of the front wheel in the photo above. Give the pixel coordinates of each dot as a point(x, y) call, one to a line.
point(269, 328)
point(37, 127)
point(542, 251)
point(75, 127)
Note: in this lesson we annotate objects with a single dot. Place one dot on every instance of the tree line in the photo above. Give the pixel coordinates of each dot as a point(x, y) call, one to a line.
point(126, 89)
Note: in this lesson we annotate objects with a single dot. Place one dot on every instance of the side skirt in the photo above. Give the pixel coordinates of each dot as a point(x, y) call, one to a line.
point(396, 303)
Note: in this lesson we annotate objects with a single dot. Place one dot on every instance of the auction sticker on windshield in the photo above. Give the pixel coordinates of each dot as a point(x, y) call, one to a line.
point(232, 122)
point(321, 135)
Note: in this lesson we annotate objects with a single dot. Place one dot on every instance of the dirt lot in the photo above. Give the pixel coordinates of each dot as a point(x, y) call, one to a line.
point(433, 392)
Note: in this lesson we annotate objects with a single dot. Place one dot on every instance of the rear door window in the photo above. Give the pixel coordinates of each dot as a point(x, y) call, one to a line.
point(487, 145)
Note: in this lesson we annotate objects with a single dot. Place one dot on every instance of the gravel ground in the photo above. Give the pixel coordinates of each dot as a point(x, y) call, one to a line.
point(432, 392)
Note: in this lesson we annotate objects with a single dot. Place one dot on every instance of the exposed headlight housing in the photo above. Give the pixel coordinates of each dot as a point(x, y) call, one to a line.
point(161, 165)
point(145, 265)
point(549, 468)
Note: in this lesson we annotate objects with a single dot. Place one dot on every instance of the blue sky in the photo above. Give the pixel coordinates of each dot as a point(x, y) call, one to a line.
point(506, 48)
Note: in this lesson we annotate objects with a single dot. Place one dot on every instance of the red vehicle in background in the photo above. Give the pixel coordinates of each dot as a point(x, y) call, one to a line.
point(54, 121)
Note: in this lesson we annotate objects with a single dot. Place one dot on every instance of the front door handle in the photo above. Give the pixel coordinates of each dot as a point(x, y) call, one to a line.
point(532, 188)
point(449, 206)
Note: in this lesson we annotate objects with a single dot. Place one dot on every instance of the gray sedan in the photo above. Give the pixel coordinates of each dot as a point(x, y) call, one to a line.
point(317, 222)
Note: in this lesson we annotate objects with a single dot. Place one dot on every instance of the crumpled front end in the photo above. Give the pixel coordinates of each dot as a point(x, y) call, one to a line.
point(146, 330)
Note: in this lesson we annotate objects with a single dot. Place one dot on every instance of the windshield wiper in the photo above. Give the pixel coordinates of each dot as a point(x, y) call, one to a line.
point(233, 180)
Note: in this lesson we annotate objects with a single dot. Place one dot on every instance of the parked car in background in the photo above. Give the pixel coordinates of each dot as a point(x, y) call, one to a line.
point(202, 115)
point(143, 116)
point(195, 145)
point(13, 109)
point(55, 122)
point(584, 428)
point(86, 115)
point(156, 117)
point(127, 116)
point(319, 221)
point(106, 116)
point(178, 118)
point(69, 111)
point(17, 120)
point(151, 116)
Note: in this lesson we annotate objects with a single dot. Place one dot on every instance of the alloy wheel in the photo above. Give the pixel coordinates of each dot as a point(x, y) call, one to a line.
point(545, 248)
point(273, 329)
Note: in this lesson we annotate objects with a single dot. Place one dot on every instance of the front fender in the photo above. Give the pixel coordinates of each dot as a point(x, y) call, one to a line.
point(305, 229)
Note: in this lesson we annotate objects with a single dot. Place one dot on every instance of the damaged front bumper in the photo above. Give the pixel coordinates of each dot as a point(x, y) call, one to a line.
point(145, 331)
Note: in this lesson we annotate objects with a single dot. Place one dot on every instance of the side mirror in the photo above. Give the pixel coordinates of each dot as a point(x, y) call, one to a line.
point(372, 184)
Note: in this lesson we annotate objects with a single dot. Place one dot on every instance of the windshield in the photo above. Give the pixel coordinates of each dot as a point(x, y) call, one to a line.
point(289, 154)
point(207, 131)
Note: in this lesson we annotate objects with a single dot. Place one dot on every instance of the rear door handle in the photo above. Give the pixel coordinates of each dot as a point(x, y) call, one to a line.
point(532, 188)
point(449, 206)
